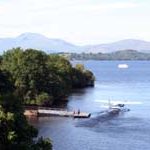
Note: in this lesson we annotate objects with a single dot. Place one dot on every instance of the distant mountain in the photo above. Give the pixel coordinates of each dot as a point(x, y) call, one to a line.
point(37, 41)
point(138, 45)
point(41, 42)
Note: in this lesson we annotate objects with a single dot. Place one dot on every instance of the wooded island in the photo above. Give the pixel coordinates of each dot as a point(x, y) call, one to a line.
point(33, 77)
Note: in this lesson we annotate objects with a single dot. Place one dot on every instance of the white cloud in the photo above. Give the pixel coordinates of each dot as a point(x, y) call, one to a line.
point(48, 6)
point(103, 7)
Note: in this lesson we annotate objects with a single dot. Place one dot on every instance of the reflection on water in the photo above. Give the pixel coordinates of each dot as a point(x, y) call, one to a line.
point(100, 118)
point(103, 131)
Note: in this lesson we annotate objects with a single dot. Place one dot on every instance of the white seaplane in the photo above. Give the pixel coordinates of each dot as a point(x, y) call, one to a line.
point(117, 106)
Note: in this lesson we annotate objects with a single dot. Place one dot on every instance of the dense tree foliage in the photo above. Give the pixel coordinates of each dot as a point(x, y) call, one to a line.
point(33, 77)
point(41, 79)
point(15, 132)
point(82, 77)
point(5, 83)
point(118, 55)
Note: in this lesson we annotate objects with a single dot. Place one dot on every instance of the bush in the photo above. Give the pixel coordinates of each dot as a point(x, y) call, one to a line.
point(43, 99)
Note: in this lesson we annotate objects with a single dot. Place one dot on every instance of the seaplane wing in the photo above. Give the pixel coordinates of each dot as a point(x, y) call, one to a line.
point(116, 102)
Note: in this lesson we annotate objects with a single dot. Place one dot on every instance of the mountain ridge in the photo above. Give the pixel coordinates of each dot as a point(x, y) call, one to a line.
point(41, 42)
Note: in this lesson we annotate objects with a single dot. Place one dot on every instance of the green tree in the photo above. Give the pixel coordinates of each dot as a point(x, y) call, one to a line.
point(15, 132)
point(89, 76)
point(5, 83)
point(43, 99)
point(11, 61)
point(28, 70)
point(60, 71)
point(34, 73)
point(80, 67)
point(82, 77)
point(43, 144)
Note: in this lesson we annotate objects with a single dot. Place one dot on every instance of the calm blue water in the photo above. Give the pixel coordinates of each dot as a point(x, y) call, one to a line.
point(127, 131)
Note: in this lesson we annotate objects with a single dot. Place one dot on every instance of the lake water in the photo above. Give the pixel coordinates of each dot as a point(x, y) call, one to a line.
point(126, 131)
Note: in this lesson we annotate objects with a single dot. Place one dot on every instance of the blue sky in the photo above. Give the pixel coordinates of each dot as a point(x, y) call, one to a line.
point(77, 21)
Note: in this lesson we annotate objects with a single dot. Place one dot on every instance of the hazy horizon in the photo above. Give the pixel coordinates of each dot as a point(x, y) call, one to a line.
point(85, 44)
point(79, 22)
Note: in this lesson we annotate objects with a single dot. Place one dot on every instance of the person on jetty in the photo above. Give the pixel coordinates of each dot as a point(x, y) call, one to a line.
point(78, 111)
point(74, 112)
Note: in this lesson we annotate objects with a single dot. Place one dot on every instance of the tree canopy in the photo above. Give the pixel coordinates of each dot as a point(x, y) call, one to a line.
point(117, 55)
point(15, 132)
point(33, 77)
point(40, 78)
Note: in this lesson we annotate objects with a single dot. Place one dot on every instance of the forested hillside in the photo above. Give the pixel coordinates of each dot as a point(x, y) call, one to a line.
point(118, 55)
point(41, 79)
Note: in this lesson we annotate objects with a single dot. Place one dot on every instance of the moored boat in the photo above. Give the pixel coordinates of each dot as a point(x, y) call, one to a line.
point(123, 66)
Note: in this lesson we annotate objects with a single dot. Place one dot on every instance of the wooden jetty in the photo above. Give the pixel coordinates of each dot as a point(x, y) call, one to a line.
point(46, 111)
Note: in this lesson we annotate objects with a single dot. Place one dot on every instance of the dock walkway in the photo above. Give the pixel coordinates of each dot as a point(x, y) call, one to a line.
point(46, 111)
